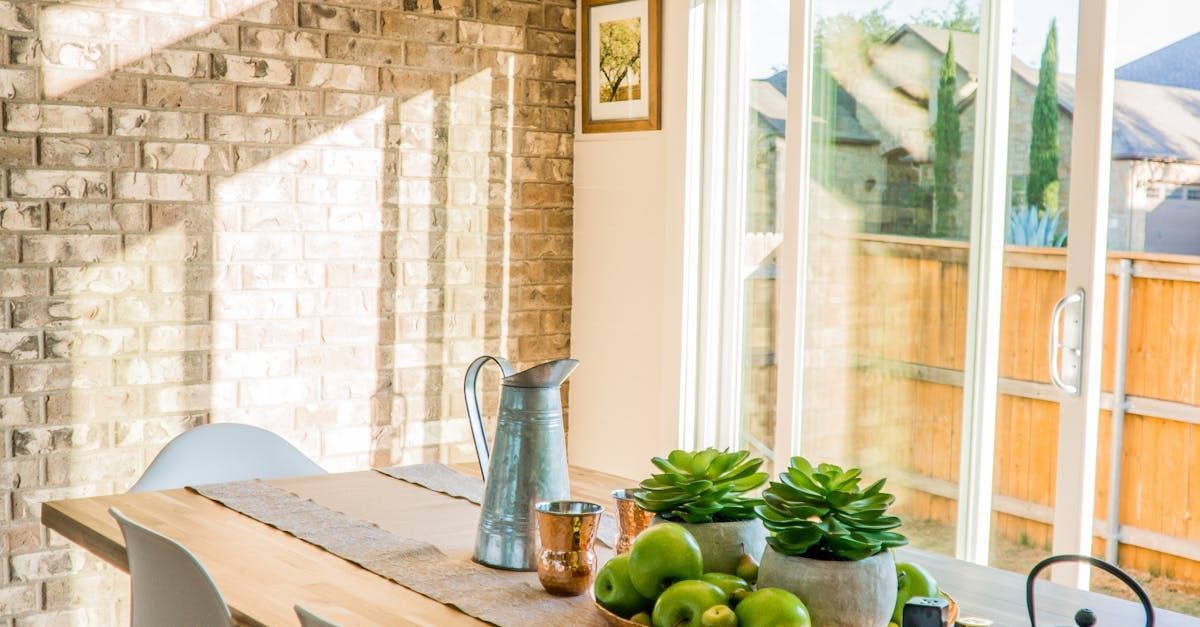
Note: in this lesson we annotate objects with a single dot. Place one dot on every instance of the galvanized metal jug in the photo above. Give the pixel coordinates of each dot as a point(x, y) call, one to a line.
point(527, 463)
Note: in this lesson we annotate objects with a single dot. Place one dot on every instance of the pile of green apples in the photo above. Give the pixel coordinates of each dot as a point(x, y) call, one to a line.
point(913, 581)
point(661, 582)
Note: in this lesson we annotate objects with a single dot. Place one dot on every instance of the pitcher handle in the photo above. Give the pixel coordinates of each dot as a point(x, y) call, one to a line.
point(473, 414)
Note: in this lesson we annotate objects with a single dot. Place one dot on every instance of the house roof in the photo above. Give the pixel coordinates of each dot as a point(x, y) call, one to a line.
point(1172, 66)
point(768, 98)
point(1150, 121)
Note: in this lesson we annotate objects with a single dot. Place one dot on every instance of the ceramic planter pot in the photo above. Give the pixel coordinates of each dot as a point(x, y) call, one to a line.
point(838, 594)
point(723, 543)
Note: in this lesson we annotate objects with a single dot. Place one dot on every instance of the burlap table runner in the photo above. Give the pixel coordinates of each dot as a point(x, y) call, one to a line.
point(446, 480)
point(498, 597)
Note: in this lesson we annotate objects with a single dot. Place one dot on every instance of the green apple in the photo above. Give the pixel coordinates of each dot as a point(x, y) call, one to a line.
point(747, 568)
point(718, 616)
point(772, 607)
point(729, 584)
point(912, 581)
point(641, 618)
point(662, 555)
point(615, 592)
point(683, 604)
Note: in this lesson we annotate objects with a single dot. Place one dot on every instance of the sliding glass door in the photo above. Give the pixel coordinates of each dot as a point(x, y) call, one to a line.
point(918, 230)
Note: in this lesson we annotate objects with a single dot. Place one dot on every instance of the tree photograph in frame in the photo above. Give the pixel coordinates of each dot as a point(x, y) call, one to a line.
point(621, 60)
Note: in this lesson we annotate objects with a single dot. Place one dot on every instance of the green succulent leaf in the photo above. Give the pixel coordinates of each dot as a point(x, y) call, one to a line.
point(824, 513)
point(703, 486)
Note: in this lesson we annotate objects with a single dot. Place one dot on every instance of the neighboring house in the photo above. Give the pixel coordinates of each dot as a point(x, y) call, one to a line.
point(876, 112)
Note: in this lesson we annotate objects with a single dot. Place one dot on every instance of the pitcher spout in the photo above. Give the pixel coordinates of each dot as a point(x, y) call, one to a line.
point(548, 375)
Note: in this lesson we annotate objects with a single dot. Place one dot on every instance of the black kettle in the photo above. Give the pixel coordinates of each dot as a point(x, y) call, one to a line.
point(1086, 617)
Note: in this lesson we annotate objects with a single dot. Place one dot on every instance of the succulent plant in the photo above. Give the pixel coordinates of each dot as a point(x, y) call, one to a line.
point(1028, 226)
point(702, 486)
point(822, 513)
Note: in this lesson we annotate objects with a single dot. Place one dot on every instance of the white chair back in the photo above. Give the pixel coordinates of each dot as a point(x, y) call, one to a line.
point(170, 586)
point(308, 619)
point(224, 452)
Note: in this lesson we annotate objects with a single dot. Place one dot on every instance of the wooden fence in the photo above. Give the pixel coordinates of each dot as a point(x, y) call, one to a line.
point(909, 326)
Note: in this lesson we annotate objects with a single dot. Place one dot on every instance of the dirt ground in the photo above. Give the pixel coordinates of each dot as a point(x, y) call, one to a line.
point(1166, 593)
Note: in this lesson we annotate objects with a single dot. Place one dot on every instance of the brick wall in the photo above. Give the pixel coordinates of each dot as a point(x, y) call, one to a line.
point(304, 216)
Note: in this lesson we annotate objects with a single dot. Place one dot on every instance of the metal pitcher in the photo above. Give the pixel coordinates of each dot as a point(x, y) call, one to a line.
point(527, 462)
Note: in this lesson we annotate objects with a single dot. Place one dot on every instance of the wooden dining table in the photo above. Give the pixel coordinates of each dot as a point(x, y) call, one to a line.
point(263, 572)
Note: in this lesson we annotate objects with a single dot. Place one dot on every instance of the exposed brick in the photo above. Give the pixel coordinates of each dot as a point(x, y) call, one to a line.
point(423, 55)
point(365, 50)
point(406, 82)
point(405, 26)
point(84, 216)
point(491, 35)
point(241, 128)
point(67, 344)
point(157, 124)
point(84, 22)
point(274, 41)
point(338, 76)
point(259, 70)
point(458, 8)
point(16, 151)
point(58, 184)
point(230, 210)
point(34, 118)
point(335, 18)
point(147, 186)
point(58, 152)
point(19, 345)
point(169, 94)
point(177, 63)
point(550, 42)
point(186, 156)
point(278, 101)
point(98, 279)
point(17, 83)
point(17, 16)
point(22, 216)
point(74, 311)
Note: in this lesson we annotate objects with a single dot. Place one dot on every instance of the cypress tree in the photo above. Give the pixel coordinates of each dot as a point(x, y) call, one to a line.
point(1042, 187)
point(947, 148)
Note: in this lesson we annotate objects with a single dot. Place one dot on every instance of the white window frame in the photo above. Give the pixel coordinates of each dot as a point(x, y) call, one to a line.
point(715, 389)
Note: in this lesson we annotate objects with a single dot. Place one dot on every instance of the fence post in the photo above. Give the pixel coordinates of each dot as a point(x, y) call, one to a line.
point(1119, 405)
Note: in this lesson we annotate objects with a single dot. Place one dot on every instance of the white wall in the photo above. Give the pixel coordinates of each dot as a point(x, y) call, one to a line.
point(628, 279)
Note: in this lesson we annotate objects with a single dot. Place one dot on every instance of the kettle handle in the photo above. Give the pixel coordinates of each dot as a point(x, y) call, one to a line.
point(473, 415)
point(1098, 563)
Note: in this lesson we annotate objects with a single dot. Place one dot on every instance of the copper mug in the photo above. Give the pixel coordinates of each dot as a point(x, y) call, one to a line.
point(631, 519)
point(566, 559)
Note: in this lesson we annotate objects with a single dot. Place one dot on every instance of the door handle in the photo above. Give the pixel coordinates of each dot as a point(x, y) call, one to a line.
point(1070, 353)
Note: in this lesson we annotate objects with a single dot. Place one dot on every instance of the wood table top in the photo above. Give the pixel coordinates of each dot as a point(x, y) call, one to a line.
point(262, 572)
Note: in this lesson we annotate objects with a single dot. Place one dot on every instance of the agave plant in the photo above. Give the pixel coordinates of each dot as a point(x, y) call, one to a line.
point(822, 513)
point(1027, 226)
point(702, 486)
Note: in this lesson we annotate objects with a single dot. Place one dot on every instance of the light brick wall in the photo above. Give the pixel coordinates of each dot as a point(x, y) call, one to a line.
point(304, 216)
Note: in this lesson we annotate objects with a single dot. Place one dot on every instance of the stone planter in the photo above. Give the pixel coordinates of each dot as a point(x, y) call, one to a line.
point(838, 594)
point(723, 543)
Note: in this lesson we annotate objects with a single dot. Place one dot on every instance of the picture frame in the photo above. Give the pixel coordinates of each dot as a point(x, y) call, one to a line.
point(621, 58)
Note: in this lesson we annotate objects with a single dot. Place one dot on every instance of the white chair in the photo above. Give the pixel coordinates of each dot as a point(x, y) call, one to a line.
point(308, 619)
point(170, 586)
point(224, 452)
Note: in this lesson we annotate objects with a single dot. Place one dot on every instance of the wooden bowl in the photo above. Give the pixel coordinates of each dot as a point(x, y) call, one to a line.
point(613, 619)
point(617, 621)
point(953, 607)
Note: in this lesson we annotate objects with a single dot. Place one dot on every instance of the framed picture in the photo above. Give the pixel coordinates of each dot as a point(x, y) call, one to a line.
point(622, 53)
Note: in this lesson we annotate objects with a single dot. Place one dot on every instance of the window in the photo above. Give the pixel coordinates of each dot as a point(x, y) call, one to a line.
point(900, 244)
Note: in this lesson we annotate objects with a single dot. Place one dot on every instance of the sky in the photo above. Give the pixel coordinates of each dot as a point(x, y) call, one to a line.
point(1143, 26)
